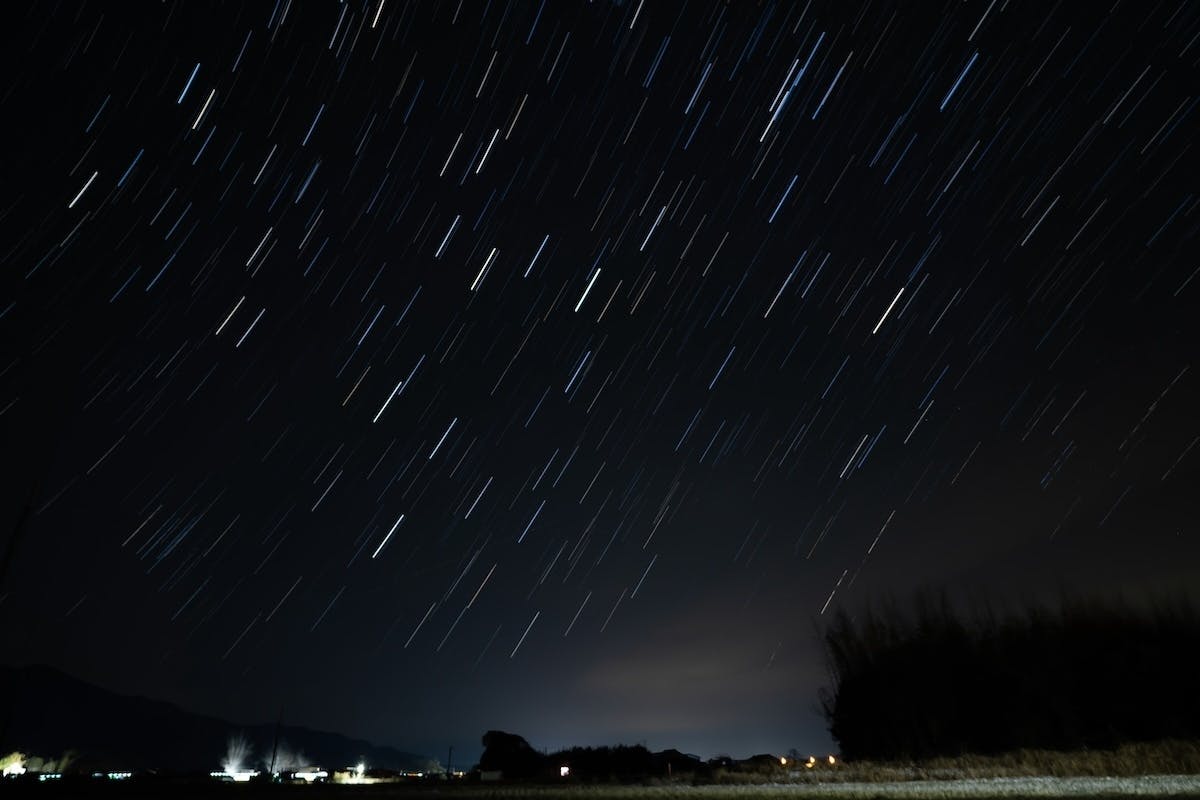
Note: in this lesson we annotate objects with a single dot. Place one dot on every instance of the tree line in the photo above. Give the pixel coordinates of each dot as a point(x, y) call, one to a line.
point(1083, 674)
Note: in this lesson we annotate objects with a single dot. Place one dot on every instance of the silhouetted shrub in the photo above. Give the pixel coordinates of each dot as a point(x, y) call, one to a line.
point(511, 755)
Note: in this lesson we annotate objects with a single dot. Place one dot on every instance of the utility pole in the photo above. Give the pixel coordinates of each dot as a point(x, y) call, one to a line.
point(449, 760)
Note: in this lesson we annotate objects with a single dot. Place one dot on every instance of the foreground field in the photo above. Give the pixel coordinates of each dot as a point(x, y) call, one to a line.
point(1175, 786)
point(1085, 787)
point(1078, 787)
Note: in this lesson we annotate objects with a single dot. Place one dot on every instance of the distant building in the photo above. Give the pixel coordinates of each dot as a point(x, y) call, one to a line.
point(306, 775)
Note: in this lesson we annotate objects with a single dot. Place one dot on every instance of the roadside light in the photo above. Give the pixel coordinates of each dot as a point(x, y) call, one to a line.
point(832, 761)
point(812, 762)
point(782, 761)
point(564, 771)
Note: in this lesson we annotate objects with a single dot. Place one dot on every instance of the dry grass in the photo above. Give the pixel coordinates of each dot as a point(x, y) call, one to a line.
point(1169, 757)
point(991, 789)
point(1078, 788)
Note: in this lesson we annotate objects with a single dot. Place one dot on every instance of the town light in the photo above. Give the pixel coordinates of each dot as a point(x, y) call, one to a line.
point(12, 764)
point(564, 771)
point(309, 776)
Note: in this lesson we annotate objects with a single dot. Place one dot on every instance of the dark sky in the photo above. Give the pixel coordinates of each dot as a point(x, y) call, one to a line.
point(425, 368)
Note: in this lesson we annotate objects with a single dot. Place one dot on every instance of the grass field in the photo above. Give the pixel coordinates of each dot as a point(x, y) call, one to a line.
point(1141, 786)
point(1111, 788)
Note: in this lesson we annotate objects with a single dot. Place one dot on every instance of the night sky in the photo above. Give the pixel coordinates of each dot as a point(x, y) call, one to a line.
point(553, 366)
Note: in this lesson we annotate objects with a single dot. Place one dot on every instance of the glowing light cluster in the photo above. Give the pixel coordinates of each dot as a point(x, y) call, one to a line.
point(237, 776)
point(12, 765)
point(312, 775)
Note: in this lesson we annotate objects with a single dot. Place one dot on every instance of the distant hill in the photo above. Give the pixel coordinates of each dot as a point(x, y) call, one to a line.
point(46, 712)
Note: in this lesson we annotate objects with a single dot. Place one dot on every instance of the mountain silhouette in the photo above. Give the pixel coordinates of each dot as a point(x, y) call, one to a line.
point(47, 713)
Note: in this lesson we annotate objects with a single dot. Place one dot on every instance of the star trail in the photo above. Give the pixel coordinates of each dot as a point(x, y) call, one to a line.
point(430, 367)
